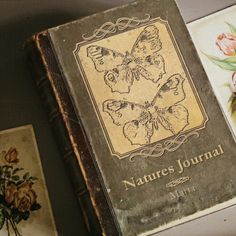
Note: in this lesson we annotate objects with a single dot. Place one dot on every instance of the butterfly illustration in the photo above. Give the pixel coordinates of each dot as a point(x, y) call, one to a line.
point(143, 61)
point(140, 121)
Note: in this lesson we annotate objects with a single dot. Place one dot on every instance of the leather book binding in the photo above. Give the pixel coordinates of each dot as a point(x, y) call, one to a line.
point(141, 132)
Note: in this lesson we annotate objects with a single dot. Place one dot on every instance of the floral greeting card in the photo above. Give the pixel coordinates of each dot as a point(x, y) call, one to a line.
point(24, 204)
point(215, 39)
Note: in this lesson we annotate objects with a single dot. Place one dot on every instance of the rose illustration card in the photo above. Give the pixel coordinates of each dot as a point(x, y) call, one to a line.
point(24, 203)
point(215, 39)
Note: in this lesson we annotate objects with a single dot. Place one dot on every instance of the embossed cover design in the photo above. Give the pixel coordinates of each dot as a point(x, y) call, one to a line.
point(153, 135)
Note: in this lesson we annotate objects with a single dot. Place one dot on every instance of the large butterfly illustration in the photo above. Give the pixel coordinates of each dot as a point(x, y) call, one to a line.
point(120, 70)
point(140, 121)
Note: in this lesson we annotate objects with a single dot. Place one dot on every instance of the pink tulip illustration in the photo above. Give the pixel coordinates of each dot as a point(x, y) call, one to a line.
point(227, 44)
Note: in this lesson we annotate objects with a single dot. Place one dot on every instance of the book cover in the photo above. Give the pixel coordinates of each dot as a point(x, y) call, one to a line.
point(215, 40)
point(140, 115)
point(24, 204)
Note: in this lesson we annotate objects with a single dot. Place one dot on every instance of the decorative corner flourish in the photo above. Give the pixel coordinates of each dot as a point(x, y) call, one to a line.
point(159, 149)
point(110, 27)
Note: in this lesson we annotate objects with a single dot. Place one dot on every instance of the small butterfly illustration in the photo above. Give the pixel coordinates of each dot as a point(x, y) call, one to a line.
point(143, 61)
point(139, 121)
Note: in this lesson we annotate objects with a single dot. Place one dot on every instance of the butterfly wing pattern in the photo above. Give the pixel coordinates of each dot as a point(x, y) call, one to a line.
point(149, 63)
point(140, 121)
point(143, 61)
point(138, 129)
point(116, 74)
point(172, 115)
point(147, 43)
point(104, 59)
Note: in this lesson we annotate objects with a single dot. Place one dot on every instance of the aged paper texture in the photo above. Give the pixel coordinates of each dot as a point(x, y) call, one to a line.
point(140, 87)
point(25, 208)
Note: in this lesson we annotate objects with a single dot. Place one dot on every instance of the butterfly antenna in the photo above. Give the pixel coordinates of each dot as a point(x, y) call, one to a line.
point(154, 99)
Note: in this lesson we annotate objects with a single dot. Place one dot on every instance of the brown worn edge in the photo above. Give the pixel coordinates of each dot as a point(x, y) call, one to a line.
point(76, 134)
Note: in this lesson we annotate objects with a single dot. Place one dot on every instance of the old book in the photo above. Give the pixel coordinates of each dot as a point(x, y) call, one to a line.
point(215, 39)
point(136, 119)
point(25, 208)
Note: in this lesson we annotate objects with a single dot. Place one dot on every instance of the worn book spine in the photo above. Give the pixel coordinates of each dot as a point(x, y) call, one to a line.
point(77, 157)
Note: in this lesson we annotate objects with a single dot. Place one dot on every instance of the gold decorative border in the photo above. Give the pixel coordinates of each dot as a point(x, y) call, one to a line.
point(110, 27)
point(159, 149)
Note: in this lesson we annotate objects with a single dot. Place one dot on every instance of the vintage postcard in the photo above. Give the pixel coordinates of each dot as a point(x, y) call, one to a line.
point(24, 204)
point(215, 39)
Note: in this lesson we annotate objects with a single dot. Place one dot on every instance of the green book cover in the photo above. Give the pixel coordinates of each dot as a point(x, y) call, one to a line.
point(158, 140)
